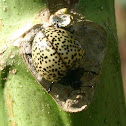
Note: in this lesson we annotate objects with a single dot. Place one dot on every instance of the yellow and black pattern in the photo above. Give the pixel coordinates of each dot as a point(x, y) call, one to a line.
point(54, 52)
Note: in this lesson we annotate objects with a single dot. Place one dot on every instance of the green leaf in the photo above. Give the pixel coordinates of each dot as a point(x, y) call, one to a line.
point(16, 14)
point(24, 102)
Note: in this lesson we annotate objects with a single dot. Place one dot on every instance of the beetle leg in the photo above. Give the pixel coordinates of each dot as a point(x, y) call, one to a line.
point(50, 87)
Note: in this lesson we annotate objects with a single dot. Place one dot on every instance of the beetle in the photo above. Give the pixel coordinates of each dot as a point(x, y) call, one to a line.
point(55, 51)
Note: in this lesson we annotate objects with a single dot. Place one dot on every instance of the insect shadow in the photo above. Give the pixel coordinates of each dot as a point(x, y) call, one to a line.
point(73, 79)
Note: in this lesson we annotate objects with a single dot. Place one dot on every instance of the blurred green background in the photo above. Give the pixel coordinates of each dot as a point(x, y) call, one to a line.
point(120, 6)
